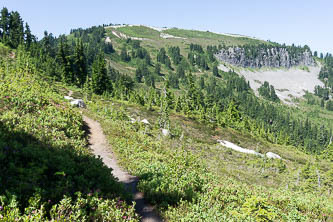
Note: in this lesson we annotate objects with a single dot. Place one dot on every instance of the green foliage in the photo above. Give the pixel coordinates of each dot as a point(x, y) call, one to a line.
point(163, 58)
point(100, 80)
point(215, 71)
point(12, 31)
point(43, 151)
point(124, 55)
point(326, 75)
point(174, 53)
point(268, 92)
point(259, 209)
point(182, 185)
point(89, 207)
point(49, 142)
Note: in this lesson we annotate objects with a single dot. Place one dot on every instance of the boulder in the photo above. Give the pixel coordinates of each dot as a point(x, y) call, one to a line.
point(145, 121)
point(68, 98)
point(165, 132)
point(78, 103)
point(271, 155)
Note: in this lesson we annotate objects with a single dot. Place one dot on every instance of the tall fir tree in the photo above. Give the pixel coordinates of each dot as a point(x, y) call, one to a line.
point(215, 71)
point(124, 55)
point(166, 101)
point(80, 63)
point(16, 30)
point(4, 25)
point(65, 60)
point(28, 37)
point(100, 81)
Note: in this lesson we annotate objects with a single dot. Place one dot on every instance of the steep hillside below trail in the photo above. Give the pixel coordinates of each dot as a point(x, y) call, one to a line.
point(99, 146)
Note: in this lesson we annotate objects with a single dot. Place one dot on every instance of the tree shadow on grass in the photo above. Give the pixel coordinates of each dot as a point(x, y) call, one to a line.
point(28, 165)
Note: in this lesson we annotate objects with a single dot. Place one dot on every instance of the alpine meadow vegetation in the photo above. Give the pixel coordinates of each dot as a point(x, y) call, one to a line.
point(48, 172)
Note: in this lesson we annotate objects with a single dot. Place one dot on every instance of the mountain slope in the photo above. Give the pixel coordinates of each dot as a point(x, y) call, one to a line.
point(164, 106)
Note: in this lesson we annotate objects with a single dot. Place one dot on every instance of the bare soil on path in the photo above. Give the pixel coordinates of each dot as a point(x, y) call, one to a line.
point(99, 145)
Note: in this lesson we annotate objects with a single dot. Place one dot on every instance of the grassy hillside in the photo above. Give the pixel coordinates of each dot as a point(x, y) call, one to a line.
point(47, 172)
point(190, 176)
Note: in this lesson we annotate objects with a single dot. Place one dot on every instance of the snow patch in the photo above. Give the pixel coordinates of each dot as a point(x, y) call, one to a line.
point(124, 36)
point(157, 28)
point(271, 155)
point(168, 36)
point(233, 146)
point(238, 148)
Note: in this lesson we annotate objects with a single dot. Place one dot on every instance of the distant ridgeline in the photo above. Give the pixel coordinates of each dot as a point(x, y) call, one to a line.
point(263, 55)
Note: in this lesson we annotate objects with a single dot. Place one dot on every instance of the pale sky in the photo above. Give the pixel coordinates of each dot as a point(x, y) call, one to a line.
point(284, 21)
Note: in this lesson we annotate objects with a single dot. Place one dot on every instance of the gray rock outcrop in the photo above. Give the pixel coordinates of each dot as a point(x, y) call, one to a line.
point(265, 57)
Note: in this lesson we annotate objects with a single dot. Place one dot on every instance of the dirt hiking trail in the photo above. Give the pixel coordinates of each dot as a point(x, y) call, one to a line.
point(100, 147)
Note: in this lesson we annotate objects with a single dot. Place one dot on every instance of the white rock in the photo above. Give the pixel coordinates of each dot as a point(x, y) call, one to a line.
point(108, 40)
point(238, 148)
point(271, 155)
point(145, 121)
point(78, 103)
point(68, 98)
point(165, 132)
point(132, 120)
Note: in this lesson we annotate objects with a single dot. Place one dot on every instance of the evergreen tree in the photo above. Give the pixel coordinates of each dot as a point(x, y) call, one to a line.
point(124, 55)
point(28, 36)
point(173, 80)
point(273, 95)
point(138, 75)
point(80, 63)
point(158, 69)
point(161, 56)
point(16, 30)
point(149, 80)
point(202, 82)
point(166, 102)
point(64, 58)
point(215, 71)
point(329, 105)
point(168, 63)
point(147, 59)
point(4, 25)
point(100, 81)
point(180, 72)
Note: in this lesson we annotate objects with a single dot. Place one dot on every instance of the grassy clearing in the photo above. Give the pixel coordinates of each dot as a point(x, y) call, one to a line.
point(211, 37)
point(139, 32)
